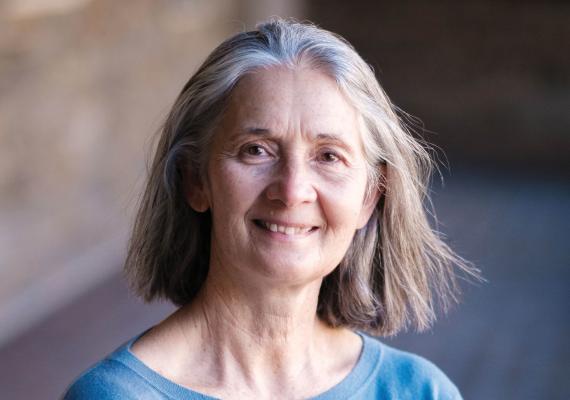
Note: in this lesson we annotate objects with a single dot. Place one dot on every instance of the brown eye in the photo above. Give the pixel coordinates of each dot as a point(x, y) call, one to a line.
point(329, 157)
point(255, 150)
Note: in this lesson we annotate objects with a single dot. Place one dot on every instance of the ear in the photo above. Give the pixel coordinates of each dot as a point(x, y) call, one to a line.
point(195, 193)
point(371, 200)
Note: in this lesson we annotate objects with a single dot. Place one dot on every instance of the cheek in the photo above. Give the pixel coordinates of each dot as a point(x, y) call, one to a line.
point(234, 190)
point(343, 202)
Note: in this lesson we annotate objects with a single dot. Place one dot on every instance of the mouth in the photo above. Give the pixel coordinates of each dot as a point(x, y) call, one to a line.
point(286, 229)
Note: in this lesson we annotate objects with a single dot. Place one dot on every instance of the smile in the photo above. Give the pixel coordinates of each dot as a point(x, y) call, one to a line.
point(289, 230)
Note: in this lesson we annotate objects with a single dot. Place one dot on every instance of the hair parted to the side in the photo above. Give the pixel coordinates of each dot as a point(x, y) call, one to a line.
point(396, 267)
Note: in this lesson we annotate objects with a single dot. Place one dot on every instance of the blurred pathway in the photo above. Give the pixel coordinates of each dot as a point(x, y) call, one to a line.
point(507, 340)
point(509, 337)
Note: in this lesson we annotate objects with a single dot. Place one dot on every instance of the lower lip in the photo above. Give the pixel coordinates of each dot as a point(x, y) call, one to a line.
point(284, 237)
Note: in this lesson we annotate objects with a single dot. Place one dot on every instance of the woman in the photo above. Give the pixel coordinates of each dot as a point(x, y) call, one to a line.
point(283, 214)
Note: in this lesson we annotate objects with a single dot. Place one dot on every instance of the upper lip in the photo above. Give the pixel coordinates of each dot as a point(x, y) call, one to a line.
point(286, 224)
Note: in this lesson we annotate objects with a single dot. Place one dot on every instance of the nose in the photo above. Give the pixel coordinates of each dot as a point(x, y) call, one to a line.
point(292, 184)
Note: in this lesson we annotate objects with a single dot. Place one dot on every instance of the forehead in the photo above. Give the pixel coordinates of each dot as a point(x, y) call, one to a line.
point(284, 100)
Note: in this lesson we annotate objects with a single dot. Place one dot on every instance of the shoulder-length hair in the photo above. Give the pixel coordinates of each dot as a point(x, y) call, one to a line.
point(396, 266)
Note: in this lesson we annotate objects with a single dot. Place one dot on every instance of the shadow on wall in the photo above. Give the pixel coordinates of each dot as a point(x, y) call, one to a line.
point(489, 79)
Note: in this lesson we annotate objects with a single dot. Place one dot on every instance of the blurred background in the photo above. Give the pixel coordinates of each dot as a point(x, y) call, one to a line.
point(85, 84)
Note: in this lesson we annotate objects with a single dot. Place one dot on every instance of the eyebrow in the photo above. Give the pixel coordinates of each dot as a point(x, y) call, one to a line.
point(257, 131)
point(320, 137)
point(238, 134)
point(330, 137)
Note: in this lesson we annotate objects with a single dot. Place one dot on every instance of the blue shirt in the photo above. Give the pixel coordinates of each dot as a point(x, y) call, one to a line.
point(381, 372)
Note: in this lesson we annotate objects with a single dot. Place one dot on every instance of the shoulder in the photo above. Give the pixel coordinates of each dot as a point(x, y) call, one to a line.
point(111, 379)
point(105, 380)
point(404, 375)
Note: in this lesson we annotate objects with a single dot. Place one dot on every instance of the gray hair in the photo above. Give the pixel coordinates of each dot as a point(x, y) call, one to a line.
point(396, 266)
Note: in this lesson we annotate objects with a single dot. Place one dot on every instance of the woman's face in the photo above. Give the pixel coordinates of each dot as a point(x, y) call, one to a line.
point(286, 179)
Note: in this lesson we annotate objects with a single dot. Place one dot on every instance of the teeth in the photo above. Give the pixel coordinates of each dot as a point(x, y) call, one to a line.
point(287, 230)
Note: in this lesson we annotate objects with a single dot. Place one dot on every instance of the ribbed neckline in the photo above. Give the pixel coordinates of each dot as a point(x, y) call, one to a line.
point(364, 368)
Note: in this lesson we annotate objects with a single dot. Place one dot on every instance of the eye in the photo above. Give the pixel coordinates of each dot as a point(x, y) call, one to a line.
point(328, 156)
point(255, 150)
point(254, 153)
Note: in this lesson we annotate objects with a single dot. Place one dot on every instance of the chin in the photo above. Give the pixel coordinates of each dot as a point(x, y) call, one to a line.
point(292, 273)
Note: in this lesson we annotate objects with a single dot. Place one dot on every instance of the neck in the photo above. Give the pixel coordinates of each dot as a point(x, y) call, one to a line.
point(251, 335)
point(250, 340)
point(268, 314)
point(267, 319)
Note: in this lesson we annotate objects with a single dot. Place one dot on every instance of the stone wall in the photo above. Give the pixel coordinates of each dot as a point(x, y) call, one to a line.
point(83, 87)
